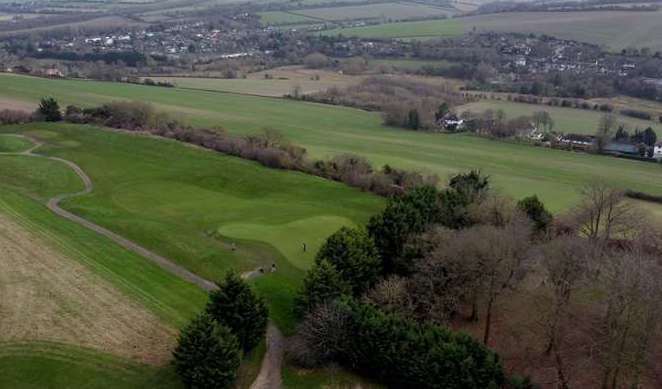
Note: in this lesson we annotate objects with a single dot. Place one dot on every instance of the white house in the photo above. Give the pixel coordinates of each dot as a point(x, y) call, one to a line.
point(657, 150)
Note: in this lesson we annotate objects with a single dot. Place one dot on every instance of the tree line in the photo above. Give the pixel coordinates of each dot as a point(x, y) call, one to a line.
point(379, 298)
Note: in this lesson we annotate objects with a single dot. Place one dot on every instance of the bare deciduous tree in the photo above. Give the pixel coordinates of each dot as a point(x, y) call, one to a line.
point(603, 214)
point(565, 263)
point(633, 310)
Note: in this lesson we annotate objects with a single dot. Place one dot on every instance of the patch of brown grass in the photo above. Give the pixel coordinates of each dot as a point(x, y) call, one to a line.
point(45, 296)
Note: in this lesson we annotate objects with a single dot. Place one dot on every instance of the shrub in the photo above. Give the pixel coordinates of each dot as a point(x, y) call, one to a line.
point(401, 352)
point(207, 354)
point(49, 110)
point(637, 114)
point(535, 210)
point(11, 116)
point(354, 255)
point(236, 306)
point(402, 217)
point(316, 61)
point(322, 283)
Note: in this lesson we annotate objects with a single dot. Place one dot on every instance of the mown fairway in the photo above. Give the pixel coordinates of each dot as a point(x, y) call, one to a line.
point(325, 130)
point(77, 308)
point(193, 206)
point(12, 144)
point(566, 120)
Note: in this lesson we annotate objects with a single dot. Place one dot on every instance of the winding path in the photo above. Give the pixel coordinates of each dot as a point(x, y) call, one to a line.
point(269, 376)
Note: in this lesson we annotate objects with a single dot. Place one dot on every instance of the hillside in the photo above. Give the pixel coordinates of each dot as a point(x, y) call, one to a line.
point(324, 130)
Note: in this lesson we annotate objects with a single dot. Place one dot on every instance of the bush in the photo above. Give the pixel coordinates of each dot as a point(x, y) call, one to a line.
point(49, 110)
point(354, 255)
point(207, 354)
point(535, 210)
point(322, 283)
point(404, 354)
point(11, 116)
point(402, 217)
point(236, 306)
point(637, 114)
point(316, 61)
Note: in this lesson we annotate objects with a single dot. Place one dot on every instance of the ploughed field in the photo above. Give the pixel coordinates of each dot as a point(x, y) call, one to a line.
point(516, 170)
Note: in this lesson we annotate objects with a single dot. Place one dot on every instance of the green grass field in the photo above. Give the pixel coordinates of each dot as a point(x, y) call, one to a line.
point(278, 18)
point(194, 204)
point(383, 11)
point(422, 29)
point(13, 144)
point(189, 206)
point(613, 29)
point(50, 365)
point(409, 64)
point(25, 184)
point(566, 120)
point(254, 86)
point(516, 170)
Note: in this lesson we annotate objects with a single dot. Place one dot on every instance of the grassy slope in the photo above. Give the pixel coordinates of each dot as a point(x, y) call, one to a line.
point(613, 29)
point(13, 144)
point(328, 130)
point(193, 204)
point(567, 120)
point(25, 183)
point(51, 365)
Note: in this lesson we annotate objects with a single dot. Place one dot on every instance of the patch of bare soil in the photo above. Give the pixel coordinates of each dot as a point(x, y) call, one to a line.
point(47, 297)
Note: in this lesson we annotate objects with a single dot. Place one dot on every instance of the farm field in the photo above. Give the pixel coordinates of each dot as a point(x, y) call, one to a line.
point(516, 170)
point(613, 29)
point(409, 30)
point(408, 64)
point(385, 11)
point(567, 120)
point(280, 81)
point(277, 18)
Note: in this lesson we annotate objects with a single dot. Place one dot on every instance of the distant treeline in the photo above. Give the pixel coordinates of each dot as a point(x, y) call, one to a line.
point(130, 58)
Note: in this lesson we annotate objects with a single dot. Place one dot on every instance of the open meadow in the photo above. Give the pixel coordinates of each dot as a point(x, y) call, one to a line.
point(566, 120)
point(410, 30)
point(516, 170)
point(614, 30)
point(273, 82)
point(383, 11)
